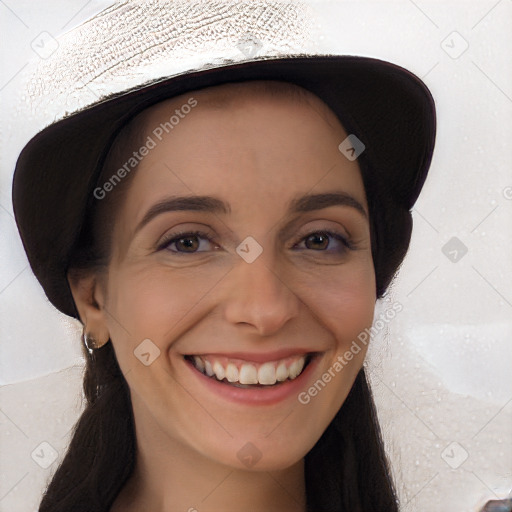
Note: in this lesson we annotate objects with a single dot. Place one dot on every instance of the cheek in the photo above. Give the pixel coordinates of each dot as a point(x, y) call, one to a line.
point(344, 300)
point(151, 301)
point(344, 304)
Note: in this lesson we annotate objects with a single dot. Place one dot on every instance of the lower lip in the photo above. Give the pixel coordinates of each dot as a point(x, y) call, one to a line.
point(257, 396)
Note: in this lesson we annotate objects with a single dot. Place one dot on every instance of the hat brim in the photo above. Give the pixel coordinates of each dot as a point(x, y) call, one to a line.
point(388, 108)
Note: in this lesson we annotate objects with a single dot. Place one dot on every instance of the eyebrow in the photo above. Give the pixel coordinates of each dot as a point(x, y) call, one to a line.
point(210, 204)
point(312, 202)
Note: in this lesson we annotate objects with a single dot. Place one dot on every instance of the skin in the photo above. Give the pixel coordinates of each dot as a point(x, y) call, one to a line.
point(257, 152)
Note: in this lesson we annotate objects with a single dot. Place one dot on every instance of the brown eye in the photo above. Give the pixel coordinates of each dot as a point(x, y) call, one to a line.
point(187, 242)
point(318, 241)
point(323, 241)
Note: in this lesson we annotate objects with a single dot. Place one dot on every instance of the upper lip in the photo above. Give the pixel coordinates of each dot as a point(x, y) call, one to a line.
point(258, 357)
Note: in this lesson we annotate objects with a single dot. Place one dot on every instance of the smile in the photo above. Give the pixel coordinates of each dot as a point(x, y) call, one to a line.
point(244, 374)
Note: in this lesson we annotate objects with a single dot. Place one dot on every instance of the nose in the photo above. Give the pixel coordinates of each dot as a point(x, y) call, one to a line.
point(260, 297)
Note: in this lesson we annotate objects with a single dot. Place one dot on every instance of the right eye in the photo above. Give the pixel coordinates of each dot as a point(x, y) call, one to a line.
point(186, 242)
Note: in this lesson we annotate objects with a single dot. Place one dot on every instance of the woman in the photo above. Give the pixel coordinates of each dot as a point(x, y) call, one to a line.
point(223, 233)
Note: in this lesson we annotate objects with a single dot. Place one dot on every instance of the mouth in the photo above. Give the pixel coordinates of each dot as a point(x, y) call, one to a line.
point(249, 374)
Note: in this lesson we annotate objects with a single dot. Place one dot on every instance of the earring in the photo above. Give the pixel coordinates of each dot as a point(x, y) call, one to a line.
point(90, 341)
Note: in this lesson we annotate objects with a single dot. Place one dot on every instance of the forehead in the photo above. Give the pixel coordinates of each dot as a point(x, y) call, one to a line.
point(250, 143)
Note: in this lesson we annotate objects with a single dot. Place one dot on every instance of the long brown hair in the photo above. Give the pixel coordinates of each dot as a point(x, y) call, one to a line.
point(346, 471)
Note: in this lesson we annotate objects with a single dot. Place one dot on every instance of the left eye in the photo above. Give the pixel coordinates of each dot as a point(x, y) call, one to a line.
point(323, 239)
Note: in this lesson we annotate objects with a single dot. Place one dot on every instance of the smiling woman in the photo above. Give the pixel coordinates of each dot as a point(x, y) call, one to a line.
point(226, 276)
point(225, 328)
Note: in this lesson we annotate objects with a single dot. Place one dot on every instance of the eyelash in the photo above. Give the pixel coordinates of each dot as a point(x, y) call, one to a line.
point(175, 237)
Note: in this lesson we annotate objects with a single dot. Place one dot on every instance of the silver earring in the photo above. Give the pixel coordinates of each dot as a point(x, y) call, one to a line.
point(90, 342)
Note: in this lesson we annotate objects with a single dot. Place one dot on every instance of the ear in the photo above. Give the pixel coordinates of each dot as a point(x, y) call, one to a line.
point(89, 296)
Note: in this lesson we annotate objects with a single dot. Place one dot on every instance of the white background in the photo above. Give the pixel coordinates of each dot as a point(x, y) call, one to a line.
point(440, 371)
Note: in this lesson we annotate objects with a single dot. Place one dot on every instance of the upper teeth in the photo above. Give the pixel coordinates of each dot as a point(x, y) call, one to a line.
point(250, 373)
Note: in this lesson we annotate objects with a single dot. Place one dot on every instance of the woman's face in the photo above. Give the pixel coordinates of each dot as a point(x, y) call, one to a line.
point(281, 272)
